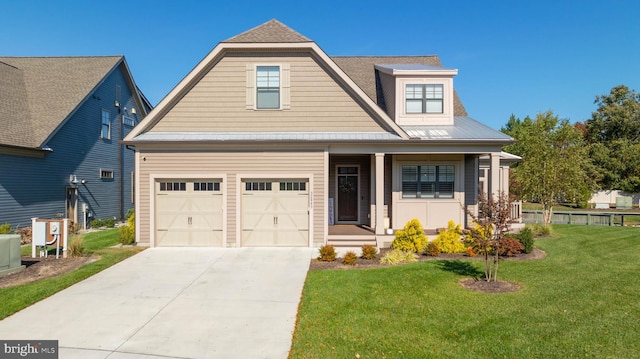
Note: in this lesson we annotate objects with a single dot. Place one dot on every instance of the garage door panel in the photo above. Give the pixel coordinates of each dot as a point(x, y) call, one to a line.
point(189, 213)
point(262, 238)
point(274, 214)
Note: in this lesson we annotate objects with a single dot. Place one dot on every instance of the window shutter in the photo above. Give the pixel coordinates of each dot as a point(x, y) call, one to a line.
point(286, 87)
point(251, 86)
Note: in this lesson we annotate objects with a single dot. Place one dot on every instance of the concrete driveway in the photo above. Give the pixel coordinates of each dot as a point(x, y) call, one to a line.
point(175, 303)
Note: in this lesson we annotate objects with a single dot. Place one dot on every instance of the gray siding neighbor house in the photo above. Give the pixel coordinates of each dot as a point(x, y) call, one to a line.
point(62, 120)
point(269, 141)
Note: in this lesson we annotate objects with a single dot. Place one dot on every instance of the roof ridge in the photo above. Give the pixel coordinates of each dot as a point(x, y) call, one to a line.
point(371, 56)
point(272, 31)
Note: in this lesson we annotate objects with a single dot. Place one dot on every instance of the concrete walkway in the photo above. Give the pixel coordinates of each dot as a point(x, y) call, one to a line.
point(175, 303)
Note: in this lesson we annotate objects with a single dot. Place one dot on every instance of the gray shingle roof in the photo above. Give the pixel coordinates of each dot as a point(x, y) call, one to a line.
point(361, 70)
point(38, 93)
point(272, 31)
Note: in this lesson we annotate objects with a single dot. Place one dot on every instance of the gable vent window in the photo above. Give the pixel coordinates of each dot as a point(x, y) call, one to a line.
point(268, 87)
point(424, 98)
point(105, 131)
point(106, 174)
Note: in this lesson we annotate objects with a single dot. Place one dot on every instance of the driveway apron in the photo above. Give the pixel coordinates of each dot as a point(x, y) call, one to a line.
point(175, 303)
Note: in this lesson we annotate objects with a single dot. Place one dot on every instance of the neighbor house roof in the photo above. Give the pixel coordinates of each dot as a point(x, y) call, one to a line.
point(37, 94)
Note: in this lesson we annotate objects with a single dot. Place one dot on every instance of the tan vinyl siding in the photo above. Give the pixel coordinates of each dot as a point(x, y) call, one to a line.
point(234, 165)
point(218, 102)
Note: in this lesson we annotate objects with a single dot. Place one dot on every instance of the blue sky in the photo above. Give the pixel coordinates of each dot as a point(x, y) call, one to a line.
point(513, 57)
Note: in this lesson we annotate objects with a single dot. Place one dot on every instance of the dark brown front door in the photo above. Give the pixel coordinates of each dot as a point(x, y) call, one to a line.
point(348, 194)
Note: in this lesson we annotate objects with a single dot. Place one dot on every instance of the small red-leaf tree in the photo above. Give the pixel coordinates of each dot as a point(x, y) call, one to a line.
point(491, 225)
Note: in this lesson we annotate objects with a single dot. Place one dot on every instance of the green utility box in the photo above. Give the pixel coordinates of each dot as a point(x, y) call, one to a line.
point(10, 259)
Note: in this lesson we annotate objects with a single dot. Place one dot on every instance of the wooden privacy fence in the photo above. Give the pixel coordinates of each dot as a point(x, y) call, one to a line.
point(585, 218)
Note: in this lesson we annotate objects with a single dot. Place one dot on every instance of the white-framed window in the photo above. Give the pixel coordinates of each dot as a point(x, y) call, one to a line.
point(428, 181)
point(424, 98)
point(129, 121)
point(105, 130)
point(267, 87)
point(106, 173)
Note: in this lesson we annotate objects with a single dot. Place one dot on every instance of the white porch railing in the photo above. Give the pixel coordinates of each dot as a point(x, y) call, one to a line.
point(516, 212)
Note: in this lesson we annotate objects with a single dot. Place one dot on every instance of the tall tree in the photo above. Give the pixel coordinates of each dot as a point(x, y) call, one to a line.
point(555, 166)
point(613, 133)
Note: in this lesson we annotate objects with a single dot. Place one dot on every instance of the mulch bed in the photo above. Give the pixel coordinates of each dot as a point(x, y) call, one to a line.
point(469, 283)
point(43, 267)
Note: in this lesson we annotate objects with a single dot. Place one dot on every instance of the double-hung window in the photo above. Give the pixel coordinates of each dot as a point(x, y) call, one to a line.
point(105, 130)
point(424, 98)
point(428, 181)
point(268, 87)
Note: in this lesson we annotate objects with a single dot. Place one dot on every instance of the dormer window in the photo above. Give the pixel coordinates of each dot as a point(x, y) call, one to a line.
point(424, 98)
point(418, 94)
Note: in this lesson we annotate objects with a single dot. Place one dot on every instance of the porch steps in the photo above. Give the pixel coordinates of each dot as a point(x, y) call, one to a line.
point(351, 240)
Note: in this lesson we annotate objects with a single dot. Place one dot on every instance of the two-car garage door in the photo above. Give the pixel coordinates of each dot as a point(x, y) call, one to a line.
point(273, 212)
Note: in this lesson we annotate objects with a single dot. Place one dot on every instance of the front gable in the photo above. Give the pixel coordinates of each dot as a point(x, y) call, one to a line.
point(312, 99)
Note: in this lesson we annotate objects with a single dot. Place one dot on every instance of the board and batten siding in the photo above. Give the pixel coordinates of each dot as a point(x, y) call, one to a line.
point(234, 165)
point(431, 212)
point(218, 102)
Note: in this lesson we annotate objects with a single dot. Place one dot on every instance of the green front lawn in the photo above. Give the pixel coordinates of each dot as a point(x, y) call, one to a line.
point(17, 298)
point(580, 301)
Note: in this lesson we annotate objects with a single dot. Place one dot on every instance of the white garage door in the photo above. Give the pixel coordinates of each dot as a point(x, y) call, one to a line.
point(275, 213)
point(189, 213)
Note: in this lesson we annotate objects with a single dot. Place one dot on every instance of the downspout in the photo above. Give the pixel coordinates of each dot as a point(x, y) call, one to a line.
point(121, 164)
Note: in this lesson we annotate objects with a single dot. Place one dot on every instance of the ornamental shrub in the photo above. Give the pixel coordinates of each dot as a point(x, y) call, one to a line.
point(480, 239)
point(369, 252)
point(109, 222)
point(526, 239)
point(450, 241)
point(411, 238)
point(5, 228)
point(76, 246)
point(97, 223)
point(509, 247)
point(127, 233)
point(398, 256)
point(350, 258)
point(433, 250)
point(327, 253)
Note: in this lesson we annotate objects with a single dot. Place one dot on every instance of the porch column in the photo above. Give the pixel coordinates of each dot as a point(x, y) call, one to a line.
point(494, 175)
point(379, 193)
